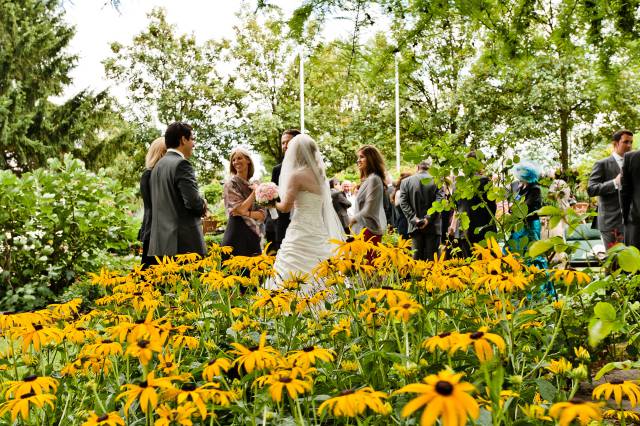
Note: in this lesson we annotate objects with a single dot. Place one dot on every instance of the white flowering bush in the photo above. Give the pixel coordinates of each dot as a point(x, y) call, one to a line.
point(54, 223)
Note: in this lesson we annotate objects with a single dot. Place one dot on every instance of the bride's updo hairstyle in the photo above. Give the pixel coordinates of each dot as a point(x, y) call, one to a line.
point(304, 153)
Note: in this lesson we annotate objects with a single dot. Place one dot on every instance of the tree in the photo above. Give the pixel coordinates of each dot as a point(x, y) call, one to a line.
point(171, 77)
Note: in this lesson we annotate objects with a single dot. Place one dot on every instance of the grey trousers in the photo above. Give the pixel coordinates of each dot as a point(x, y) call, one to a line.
point(425, 245)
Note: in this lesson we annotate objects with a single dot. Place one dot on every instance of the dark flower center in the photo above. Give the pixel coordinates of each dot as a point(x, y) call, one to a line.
point(477, 335)
point(373, 310)
point(616, 382)
point(143, 384)
point(386, 287)
point(30, 378)
point(347, 392)
point(140, 321)
point(285, 379)
point(107, 341)
point(28, 395)
point(168, 364)
point(309, 349)
point(577, 401)
point(143, 343)
point(37, 327)
point(445, 334)
point(350, 239)
point(137, 293)
point(406, 306)
point(189, 387)
point(81, 329)
point(102, 418)
point(444, 388)
point(212, 362)
point(254, 348)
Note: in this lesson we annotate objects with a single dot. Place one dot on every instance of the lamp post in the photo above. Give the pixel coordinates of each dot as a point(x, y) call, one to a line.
point(396, 53)
point(302, 88)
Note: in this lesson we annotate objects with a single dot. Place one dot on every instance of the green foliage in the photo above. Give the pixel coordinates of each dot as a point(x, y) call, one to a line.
point(56, 224)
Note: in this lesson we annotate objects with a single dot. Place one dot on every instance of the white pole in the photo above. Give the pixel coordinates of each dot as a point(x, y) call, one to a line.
point(302, 88)
point(397, 116)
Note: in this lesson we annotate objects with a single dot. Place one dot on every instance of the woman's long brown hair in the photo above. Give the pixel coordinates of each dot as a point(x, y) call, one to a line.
point(375, 162)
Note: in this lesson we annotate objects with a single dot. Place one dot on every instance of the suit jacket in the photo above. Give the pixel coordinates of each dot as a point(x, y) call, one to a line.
point(145, 192)
point(282, 222)
point(601, 185)
point(630, 188)
point(416, 198)
point(176, 208)
point(480, 211)
point(340, 205)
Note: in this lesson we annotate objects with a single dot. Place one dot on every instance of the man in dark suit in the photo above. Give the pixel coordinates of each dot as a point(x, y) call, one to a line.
point(340, 203)
point(417, 195)
point(282, 222)
point(605, 183)
point(176, 203)
point(630, 198)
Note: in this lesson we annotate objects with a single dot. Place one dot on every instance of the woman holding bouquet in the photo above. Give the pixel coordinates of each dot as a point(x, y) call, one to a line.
point(244, 216)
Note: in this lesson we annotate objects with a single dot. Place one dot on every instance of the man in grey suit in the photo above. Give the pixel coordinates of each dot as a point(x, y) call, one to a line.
point(605, 183)
point(176, 202)
point(630, 198)
point(417, 195)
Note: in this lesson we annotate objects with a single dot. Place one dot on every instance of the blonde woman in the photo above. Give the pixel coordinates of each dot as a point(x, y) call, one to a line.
point(243, 224)
point(156, 151)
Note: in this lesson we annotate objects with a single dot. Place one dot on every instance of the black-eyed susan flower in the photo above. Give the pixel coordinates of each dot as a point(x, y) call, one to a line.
point(535, 412)
point(220, 396)
point(309, 356)
point(582, 353)
point(195, 394)
point(559, 366)
point(444, 397)
point(183, 340)
point(404, 309)
point(37, 335)
point(276, 301)
point(353, 402)
point(618, 387)
point(481, 341)
point(145, 392)
point(343, 326)
point(620, 414)
point(443, 341)
point(566, 412)
point(144, 349)
point(108, 419)
point(78, 335)
point(216, 367)
point(285, 380)
point(167, 364)
point(22, 405)
point(103, 348)
point(569, 276)
point(171, 416)
point(255, 357)
point(30, 384)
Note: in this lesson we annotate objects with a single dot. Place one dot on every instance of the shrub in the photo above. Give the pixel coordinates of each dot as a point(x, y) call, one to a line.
point(55, 223)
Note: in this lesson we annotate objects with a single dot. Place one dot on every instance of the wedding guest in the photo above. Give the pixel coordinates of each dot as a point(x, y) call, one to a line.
point(283, 220)
point(244, 217)
point(340, 203)
point(369, 212)
point(399, 219)
point(176, 204)
point(348, 188)
point(527, 175)
point(156, 151)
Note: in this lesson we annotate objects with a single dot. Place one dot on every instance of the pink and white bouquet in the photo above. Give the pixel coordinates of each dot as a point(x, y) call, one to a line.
point(266, 196)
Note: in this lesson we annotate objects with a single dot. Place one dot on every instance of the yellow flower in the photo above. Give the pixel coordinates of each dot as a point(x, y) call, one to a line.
point(143, 349)
point(347, 365)
point(215, 367)
point(619, 414)
point(617, 387)
point(582, 353)
point(109, 419)
point(566, 412)
point(37, 335)
point(404, 309)
point(188, 341)
point(167, 364)
point(560, 366)
point(535, 412)
point(278, 301)
point(104, 348)
point(181, 415)
point(343, 326)
point(481, 341)
point(285, 380)
point(198, 395)
point(443, 341)
point(78, 335)
point(569, 276)
point(308, 356)
point(352, 403)
point(146, 392)
point(22, 404)
point(444, 397)
point(259, 357)
point(390, 294)
point(30, 384)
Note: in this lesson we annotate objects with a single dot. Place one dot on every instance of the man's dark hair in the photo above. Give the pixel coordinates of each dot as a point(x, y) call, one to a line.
point(618, 135)
point(174, 133)
point(292, 132)
point(333, 182)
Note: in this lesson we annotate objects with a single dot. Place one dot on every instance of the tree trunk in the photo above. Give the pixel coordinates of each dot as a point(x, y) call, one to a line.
point(564, 140)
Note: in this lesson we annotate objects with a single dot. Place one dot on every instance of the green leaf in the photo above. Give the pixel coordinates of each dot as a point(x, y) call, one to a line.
point(629, 259)
point(540, 247)
point(547, 390)
point(598, 330)
point(605, 311)
point(549, 211)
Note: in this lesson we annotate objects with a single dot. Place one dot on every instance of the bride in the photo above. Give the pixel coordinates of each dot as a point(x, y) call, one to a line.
point(304, 189)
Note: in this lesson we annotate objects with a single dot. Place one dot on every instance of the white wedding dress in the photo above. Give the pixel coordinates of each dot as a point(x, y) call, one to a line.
point(305, 244)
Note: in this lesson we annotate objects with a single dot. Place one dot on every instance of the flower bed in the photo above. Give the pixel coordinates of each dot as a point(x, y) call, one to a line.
point(394, 342)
